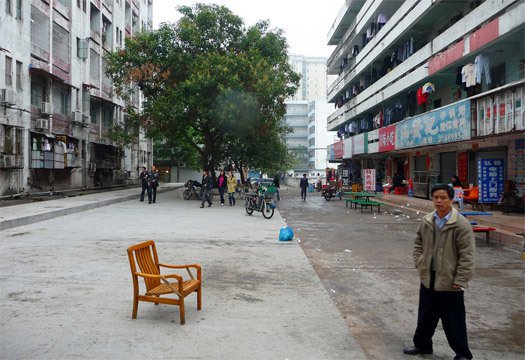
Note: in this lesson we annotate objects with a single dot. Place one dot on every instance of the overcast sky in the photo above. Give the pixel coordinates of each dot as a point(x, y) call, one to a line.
point(305, 22)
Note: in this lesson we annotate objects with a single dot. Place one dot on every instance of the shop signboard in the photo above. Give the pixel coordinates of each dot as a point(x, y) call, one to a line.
point(373, 141)
point(387, 138)
point(338, 149)
point(331, 152)
point(447, 124)
point(369, 179)
point(490, 179)
point(520, 166)
point(358, 144)
point(347, 148)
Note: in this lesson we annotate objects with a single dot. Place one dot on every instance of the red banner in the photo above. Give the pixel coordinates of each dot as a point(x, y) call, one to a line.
point(338, 149)
point(463, 167)
point(387, 138)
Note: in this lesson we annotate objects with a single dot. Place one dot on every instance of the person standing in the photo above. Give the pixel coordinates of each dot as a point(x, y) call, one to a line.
point(207, 187)
point(455, 181)
point(444, 252)
point(154, 183)
point(144, 180)
point(222, 183)
point(232, 184)
point(276, 183)
point(304, 185)
point(319, 184)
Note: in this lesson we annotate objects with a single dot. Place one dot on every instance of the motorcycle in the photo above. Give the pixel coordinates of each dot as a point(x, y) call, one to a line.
point(331, 191)
point(262, 201)
point(191, 190)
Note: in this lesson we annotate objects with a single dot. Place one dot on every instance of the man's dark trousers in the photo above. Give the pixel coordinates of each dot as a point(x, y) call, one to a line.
point(448, 306)
point(303, 193)
point(148, 189)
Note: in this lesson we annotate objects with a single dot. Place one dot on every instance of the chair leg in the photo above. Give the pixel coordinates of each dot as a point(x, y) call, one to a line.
point(156, 302)
point(182, 313)
point(199, 298)
point(135, 307)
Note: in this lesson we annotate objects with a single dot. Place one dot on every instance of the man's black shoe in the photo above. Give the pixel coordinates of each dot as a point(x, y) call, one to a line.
point(412, 350)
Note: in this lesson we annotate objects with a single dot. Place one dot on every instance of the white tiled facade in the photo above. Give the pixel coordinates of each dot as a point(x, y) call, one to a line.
point(56, 103)
point(387, 51)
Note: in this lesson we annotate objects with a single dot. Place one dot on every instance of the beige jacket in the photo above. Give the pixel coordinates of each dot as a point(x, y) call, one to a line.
point(456, 252)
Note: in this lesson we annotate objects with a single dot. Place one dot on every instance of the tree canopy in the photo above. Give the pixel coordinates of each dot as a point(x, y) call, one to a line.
point(210, 84)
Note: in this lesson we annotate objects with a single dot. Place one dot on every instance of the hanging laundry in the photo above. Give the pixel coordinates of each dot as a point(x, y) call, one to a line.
point(468, 75)
point(482, 66)
point(381, 21)
point(421, 97)
point(428, 88)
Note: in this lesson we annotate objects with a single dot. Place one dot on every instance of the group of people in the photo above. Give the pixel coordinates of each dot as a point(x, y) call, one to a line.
point(226, 183)
point(150, 183)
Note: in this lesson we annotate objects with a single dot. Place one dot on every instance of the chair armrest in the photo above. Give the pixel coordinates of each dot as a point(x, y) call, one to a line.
point(186, 266)
point(169, 276)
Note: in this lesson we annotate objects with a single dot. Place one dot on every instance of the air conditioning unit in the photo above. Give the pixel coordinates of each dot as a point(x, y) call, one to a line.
point(46, 108)
point(76, 116)
point(9, 160)
point(42, 124)
point(7, 97)
point(86, 119)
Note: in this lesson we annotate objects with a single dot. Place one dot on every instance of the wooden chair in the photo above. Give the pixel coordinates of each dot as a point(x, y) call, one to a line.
point(145, 255)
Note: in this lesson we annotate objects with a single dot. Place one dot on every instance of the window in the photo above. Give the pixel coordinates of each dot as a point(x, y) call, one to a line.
point(8, 8)
point(18, 9)
point(8, 71)
point(18, 75)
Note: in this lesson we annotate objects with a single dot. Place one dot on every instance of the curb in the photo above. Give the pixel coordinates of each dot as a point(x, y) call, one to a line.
point(9, 224)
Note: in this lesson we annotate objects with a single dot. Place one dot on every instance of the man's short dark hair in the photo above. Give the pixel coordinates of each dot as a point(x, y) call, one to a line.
point(448, 189)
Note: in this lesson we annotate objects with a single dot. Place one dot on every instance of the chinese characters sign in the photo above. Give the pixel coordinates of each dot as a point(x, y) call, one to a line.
point(338, 149)
point(490, 179)
point(370, 179)
point(447, 124)
point(387, 138)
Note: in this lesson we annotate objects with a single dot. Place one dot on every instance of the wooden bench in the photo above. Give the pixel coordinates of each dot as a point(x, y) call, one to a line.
point(484, 229)
point(371, 204)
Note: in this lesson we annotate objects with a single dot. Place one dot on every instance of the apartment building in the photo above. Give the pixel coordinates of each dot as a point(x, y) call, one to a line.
point(429, 89)
point(56, 103)
point(309, 130)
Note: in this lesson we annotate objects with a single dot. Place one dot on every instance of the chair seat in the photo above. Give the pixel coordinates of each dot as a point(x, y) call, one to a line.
point(187, 287)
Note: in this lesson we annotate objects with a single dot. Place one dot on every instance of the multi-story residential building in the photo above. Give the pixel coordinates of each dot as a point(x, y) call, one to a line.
point(296, 118)
point(429, 89)
point(56, 103)
point(318, 137)
point(308, 131)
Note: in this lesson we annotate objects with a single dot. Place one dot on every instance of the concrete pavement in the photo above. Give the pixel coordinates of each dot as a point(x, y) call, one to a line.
point(67, 292)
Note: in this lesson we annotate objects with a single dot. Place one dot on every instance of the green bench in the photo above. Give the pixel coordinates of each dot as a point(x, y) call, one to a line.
point(354, 202)
point(365, 204)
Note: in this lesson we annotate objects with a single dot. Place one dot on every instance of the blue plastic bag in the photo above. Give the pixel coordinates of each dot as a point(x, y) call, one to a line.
point(286, 234)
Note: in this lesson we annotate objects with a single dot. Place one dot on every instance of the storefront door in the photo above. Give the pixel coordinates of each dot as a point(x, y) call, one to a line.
point(447, 167)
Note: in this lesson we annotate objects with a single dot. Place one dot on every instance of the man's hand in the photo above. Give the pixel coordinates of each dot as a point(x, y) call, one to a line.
point(456, 286)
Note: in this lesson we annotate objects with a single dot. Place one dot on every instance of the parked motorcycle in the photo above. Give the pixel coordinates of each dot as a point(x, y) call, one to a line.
point(331, 191)
point(193, 190)
point(262, 201)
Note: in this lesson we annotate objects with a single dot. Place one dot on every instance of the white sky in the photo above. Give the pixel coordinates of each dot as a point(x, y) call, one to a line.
point(305, 22)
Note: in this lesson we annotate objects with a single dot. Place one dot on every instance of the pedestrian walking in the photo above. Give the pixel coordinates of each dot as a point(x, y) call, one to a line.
point(444, 252)
point(319, 183)
point(207, 188)
point(304, 185)
point(222, 182)
point(154, 183)
point(144, 180)
point(277, 184)
point(232, 184)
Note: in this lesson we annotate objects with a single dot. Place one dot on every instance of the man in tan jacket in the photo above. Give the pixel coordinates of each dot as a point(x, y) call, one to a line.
point(444, 257)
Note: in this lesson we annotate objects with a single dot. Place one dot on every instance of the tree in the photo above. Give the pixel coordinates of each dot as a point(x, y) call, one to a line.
point(211, 84)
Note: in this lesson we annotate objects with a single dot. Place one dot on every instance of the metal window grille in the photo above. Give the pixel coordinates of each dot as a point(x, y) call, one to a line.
point(61, 43)
point(18, 75)
point(94, 61)
point(39, 29)
point(8, 71)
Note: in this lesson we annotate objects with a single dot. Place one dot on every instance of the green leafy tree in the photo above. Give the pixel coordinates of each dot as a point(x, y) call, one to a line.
point(209, 84)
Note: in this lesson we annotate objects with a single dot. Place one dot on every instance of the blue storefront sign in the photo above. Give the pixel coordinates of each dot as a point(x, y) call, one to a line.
point(447, 124)
point(490, 179)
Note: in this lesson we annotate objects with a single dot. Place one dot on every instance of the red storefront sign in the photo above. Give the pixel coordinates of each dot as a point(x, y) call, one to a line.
point(370, 179)
point(463, 167)
point(338, 149)
point(387, 138)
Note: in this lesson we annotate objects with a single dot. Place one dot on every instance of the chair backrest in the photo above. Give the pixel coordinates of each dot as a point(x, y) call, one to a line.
point(145, 255)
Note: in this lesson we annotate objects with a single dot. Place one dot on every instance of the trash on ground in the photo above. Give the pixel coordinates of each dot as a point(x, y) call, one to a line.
point(348, 251)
